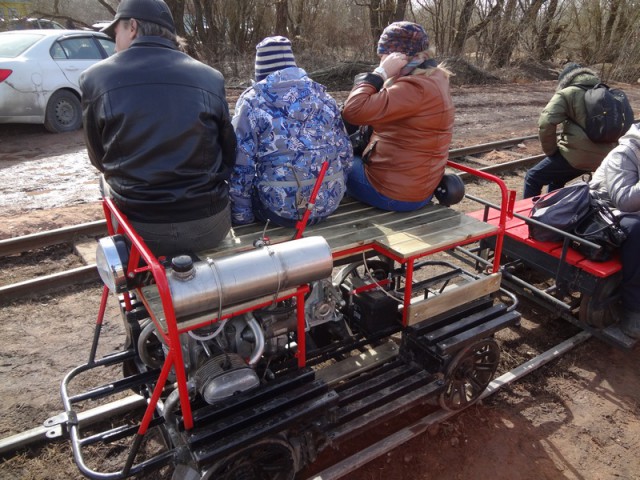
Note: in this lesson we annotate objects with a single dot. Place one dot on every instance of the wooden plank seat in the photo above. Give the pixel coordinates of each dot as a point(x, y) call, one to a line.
point(358, 227)
point(518, 230)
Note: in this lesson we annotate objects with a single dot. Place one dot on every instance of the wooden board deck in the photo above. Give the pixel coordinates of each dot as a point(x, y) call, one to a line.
point(518, 230)
point(449, 299)
point(358, 226)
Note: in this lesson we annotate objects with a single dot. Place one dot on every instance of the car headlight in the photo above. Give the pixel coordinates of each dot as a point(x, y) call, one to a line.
point(112, 257)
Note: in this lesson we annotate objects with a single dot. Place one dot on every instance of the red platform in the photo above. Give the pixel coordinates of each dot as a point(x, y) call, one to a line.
point(518, 230)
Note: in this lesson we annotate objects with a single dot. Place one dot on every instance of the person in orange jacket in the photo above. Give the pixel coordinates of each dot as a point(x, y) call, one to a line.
point(407, 101)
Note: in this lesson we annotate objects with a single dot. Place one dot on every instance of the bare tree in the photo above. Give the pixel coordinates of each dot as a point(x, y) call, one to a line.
point(382, 13)
point(177, 8)
point(548, 36)
point(282, 17)
point(326, 32)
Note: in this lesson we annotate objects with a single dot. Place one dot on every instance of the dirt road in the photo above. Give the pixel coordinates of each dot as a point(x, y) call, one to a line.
point(576, 418)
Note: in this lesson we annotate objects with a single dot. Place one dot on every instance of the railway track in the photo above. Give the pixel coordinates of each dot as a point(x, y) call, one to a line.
point(52, 429)
point(87, 273)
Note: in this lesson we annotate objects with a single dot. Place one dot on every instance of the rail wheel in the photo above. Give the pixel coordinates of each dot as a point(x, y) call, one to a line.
point(469, 373)
point(377, 269)
point(599, 310)
point(267, 459)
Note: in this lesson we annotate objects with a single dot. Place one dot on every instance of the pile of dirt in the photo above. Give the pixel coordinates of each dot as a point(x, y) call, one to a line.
point(340, 76)
point(527, 71)
point(466, 73)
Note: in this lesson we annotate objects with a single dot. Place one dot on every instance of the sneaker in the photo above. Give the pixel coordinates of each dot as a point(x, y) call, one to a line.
point(630, 323)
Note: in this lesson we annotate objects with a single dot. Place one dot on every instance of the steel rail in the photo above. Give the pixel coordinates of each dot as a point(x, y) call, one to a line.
point(34, 241)
point(487, 147)
point(364, 456)
point(52, 427)
point(49, 283)
point(506, 167)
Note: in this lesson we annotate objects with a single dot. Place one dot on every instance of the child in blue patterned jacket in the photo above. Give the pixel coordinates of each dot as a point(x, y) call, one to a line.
point(286, 126)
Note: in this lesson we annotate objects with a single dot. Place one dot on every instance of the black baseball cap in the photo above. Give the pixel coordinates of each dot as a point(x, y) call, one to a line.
point(155, 11)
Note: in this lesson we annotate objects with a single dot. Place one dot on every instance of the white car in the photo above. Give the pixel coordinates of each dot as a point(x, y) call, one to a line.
point(39, 73)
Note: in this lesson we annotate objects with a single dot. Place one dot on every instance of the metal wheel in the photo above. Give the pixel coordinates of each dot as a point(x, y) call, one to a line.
point(267, 459)
point(64, 112)
point(599, 310)
point(379, 271)
point(469, 373)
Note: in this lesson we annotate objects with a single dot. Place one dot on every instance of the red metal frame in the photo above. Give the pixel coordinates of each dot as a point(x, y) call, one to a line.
point(302, 224)
point(508, 201)
point(117, 223)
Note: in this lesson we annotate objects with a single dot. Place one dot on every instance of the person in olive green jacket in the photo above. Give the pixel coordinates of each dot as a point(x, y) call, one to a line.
point(571, 154)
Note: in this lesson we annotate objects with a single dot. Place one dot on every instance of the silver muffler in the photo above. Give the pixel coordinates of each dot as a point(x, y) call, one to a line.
point(208, 286)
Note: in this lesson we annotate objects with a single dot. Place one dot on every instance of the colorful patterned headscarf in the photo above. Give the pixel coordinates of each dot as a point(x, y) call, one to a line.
point(404, 37)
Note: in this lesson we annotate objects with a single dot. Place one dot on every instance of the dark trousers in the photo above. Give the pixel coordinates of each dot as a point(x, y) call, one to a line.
point(177, 238)
point(263, 214)
point(554, 171)
point(630, 258)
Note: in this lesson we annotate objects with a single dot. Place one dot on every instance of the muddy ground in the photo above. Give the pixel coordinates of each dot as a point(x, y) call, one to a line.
point(576, 418)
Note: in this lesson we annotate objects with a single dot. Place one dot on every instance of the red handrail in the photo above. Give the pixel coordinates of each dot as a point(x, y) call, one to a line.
point(302, 224)
point(508, 201)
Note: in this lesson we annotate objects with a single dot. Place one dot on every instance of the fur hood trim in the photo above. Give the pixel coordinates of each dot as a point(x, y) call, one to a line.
point(568, 79)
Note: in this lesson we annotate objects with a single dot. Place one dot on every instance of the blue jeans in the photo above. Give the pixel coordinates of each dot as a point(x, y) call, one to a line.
point(630, 259)
point(554, 171)
point(358, 187)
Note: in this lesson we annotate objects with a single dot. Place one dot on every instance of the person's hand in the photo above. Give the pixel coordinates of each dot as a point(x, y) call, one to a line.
point(393, 63)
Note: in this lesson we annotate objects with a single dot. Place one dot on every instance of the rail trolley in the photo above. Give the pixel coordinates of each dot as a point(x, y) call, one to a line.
point(252, 358)
point(579, 290)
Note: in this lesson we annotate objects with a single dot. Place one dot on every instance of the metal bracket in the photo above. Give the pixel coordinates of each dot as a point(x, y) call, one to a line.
point(55, 425)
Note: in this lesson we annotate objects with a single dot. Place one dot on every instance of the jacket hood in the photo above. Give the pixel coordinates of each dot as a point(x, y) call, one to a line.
point(632, 135)
point(292, 91)
point(582, 76)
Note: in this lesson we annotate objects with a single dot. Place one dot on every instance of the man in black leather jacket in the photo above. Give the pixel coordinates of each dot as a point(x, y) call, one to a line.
point(157, 125)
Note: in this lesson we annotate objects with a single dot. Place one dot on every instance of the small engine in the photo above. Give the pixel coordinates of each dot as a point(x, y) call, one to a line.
point(234, 355)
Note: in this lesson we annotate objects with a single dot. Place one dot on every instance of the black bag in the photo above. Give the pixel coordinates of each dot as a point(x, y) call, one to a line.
point(360, 139)
point(562, 209)
point(359, 135)
point(600, 226)
point(609, 113)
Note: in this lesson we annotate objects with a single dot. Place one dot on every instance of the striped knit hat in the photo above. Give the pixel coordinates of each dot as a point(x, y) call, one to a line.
point(273, 54)
point(404, 37)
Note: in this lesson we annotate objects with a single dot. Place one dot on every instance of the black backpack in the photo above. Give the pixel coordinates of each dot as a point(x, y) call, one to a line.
point(609, 113)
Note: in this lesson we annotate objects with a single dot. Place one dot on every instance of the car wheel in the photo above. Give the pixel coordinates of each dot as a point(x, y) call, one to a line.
point(64, 112)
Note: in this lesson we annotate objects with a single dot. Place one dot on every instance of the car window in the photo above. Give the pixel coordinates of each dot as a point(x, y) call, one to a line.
point(108, 45)
point(50, 24)
point(82, 48)
point(57, 52)
point(25, 23)
point(12, 45)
